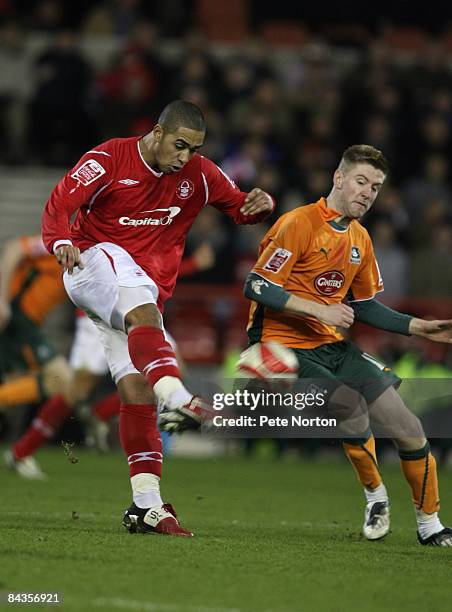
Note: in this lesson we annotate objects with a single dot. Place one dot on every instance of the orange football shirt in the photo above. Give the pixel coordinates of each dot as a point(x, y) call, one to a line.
point(37, 283)
point(307, 256)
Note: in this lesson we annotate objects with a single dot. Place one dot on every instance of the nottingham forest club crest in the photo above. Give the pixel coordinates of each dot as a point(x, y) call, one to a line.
point(185, 189)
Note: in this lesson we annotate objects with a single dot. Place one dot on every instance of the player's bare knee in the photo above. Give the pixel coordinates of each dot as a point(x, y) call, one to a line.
point(410, 444)
point(82, 385)
point(350, 409)
point(411, 434)
point(346, 403)
point(134, 389)
point(146, 314)
point(56, 376)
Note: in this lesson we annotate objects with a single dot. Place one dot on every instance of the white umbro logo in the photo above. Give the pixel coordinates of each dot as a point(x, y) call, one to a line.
point(128, 182)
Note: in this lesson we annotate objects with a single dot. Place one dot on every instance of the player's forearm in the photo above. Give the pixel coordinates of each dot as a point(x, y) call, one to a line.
point(416, 327)
point(274, 296)
point(299, 307)
point(64, 200)
point(277, 298)
point(374, 313)
point(55, 226)
point(252, 219)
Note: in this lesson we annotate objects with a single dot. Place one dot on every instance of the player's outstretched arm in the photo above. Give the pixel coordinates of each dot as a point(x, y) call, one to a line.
point(438, 331)
point(257, 202)
point(379, 315)
point(78, 187)
point(223, 194)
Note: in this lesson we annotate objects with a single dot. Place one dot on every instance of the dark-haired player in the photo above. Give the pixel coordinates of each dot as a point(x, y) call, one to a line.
point(135, 200)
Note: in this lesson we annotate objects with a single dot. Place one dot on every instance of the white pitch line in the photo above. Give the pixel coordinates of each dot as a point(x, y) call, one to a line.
point(151, 606)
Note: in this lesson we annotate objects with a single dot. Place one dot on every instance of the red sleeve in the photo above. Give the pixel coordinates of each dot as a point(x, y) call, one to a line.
point(78, 187)
point(223, 194)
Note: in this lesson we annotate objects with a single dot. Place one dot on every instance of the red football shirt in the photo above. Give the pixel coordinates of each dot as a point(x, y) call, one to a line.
point(119, 198)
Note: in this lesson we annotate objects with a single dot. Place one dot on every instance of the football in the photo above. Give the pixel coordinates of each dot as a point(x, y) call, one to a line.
point(266, 360)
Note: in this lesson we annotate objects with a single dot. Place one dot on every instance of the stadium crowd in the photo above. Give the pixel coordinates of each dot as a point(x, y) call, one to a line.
point(276, 118)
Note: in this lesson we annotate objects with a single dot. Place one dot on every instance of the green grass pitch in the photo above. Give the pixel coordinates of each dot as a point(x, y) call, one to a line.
point(270, 536)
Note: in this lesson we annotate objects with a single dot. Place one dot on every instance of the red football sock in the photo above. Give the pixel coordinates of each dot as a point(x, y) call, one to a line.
point(48, 420)
point(107, 407)
point(140, 438)
point(151, 354)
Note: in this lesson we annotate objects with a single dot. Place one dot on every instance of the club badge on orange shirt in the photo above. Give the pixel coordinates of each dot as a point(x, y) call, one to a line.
point(355, 256)
point(278, 259)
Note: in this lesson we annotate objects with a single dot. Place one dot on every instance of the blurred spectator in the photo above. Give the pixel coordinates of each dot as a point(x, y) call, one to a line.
point(172, 16)
point(238, 81)
point(392, 259)
point(99, 20)
point(429, 186)
point(132, 90)
point(242, 165)
point(14, 89)
point(391, 206)
point(117, 17)
point(318, 181)
point(378, 131)
point(429, 74)
point(315, 147)
point(259, 56)
point(318, 82)
point(433, 136)
point(194, 71)
point(269, 177)
point(145, 40)
point(209, 229)
point(214, 145)
point(126, 93)
point(48, 16)
point(61, 125)
point(431, 265)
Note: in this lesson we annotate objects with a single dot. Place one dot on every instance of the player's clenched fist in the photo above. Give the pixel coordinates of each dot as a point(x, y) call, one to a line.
point(69, 257)
point(339, 315)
